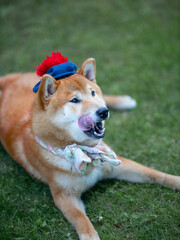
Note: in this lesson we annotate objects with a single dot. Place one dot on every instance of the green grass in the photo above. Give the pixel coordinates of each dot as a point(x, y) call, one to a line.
point(136, 46)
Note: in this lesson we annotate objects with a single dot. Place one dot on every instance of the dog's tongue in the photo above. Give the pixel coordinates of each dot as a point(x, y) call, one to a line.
point(85, 123)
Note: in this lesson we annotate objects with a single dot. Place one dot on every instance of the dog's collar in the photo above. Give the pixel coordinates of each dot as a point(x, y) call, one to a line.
point(83, 156)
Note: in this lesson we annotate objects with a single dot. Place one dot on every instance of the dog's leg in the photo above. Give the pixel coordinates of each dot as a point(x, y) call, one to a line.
point(135, 172)
point(120, 102)
point(73, 209)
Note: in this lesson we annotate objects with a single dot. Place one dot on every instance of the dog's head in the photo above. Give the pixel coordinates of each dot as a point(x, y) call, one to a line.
point(71, 109)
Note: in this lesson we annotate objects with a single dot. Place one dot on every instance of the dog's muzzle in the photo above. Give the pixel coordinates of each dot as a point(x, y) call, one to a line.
point(91, 128)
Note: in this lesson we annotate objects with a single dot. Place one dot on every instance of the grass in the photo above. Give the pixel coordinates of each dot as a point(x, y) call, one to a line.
point(136, 46)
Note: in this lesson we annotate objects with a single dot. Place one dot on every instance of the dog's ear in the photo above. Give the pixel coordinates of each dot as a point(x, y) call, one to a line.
point(88, 69)
point(47, 88)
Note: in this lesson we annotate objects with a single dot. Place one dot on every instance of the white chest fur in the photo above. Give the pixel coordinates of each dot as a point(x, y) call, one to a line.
point(77, 183)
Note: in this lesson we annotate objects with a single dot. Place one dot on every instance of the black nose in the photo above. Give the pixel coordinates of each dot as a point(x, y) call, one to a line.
point(103, 113)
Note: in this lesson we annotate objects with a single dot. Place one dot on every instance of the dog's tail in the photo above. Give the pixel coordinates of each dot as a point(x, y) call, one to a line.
point(4, 81)
point(120, 102)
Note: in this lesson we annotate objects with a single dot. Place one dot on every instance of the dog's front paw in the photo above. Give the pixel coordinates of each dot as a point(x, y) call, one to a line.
point(172, 182)
point(176, 183)
point(88, 237)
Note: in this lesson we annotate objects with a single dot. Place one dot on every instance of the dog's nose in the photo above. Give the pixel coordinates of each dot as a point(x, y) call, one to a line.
point(103, 113)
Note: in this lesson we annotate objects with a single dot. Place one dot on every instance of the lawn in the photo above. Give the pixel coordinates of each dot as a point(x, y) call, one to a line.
point(136, 47)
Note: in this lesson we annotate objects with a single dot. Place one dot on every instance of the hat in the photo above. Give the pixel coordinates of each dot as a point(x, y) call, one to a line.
point(57, 66)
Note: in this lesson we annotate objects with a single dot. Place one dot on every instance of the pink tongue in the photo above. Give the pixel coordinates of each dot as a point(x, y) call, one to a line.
point(85, 123)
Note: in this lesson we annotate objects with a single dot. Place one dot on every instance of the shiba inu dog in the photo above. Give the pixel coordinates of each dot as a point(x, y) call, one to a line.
point(56, 136)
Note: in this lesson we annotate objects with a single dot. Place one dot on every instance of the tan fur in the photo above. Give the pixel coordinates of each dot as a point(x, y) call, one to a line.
point(24, 114)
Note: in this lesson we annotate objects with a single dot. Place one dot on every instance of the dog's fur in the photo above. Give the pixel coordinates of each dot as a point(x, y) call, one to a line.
point(53, 118)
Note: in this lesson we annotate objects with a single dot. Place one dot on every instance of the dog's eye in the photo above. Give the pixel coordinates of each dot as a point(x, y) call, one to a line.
point(75, 100)
point(93, 93)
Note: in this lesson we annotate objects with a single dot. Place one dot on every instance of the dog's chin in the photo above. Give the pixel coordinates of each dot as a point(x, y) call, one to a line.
point(97, 132)
point(88, 138)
